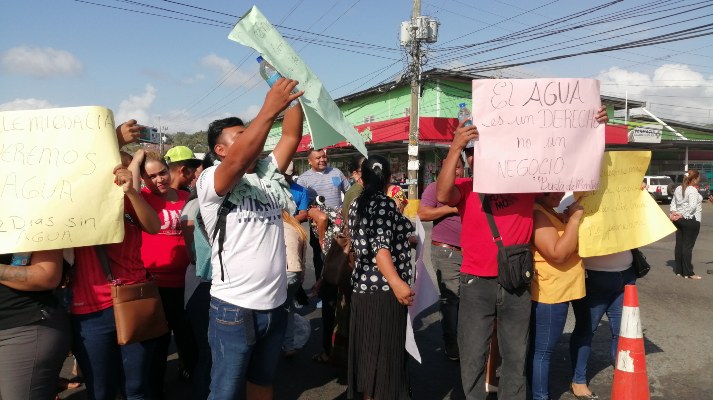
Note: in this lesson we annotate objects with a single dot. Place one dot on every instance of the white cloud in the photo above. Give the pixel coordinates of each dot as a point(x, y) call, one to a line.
point(26, 104)
point(137, 107)
point(183, 121)
point(673, 91)
point(40, 62)
point(228, 71)
point(192, 79)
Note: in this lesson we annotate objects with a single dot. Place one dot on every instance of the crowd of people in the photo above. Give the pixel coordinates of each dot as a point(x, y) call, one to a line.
point(222, 239)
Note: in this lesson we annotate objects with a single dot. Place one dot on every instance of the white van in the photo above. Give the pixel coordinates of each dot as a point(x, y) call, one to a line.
point(658, 187)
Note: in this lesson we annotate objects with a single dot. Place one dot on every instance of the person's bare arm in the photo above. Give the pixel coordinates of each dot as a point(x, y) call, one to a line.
point(446, 190)
point(428, 213)
point(248, 145)
point(291, 137)
point(301, 216)
point(386, 266)
point(128, 132)
point(556, 249)
point(148, 219)
point(43, 273)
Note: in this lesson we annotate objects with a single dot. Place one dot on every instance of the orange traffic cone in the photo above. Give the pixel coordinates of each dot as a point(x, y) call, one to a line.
point(630, 379)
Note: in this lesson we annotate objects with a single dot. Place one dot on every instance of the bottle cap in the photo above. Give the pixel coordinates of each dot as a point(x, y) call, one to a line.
point(259, 59)
point(461, 105)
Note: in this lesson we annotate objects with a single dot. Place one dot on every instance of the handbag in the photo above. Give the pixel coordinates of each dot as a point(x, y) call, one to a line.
point(138, 311)
point(339, 261)
point(641, 266)
point(515, 262)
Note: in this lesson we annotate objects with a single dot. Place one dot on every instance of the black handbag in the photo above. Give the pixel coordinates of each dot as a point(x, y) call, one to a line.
point(641, 266)
point(515, 262)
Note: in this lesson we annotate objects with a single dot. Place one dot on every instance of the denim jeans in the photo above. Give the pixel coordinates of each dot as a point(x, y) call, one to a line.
point(245, 345)
point(605, 294)
point(447, 264)
point(105, 365)
point(545, 330)
point(294, 282)
point(482, 300)
point(179, 324)
point(197, 310)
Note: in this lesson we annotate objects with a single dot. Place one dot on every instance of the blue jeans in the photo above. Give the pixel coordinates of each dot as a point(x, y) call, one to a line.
point(294, 282)
point(482, 300)
point(105, 365)
point(547, 324)
point(245, 345)
point(605, 294)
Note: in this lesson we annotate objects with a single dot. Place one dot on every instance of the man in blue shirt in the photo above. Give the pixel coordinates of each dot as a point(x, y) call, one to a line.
point(299, 194)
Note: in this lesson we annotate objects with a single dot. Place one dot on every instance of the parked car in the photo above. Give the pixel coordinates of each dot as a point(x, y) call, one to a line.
point(658, 187)
point(704, 185)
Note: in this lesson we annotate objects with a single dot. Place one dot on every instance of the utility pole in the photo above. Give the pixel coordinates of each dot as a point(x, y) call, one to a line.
point(413, 163)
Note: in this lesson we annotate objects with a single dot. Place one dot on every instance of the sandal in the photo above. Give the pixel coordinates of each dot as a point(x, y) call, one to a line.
point(696, 277)
point(321, 358)
point(590, 396)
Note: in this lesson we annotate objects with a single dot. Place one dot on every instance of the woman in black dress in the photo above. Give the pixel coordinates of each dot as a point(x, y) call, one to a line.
point(381, 239)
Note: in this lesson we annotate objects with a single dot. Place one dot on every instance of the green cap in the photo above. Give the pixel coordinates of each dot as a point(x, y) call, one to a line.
point(182, 153)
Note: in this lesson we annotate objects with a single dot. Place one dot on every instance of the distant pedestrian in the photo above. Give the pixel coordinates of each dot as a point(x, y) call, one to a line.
point(685, 212)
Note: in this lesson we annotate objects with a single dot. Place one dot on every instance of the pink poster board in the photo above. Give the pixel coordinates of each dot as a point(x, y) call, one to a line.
point(537, 135)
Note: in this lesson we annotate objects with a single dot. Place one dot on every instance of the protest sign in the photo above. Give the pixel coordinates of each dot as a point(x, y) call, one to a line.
point(425, 291)
point(620, 215)
point(324, 119)
point(56, 182)
point(536, 135)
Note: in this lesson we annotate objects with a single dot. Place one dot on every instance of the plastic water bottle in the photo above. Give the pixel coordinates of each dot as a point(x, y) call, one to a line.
point(270, 75)
point(464, 114)
point(268, 72)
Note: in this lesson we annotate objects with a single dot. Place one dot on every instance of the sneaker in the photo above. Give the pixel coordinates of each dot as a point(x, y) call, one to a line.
point(319, 304)
point(452, 351)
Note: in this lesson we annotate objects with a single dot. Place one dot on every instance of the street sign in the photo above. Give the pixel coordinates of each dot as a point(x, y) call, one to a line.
point(646, 134)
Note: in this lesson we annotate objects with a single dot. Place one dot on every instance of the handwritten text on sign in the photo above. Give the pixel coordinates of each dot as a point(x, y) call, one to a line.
point(56, 186)
point(537, 135)
point(620, 215)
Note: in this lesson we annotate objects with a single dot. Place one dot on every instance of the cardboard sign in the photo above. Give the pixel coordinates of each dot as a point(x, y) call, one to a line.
point(536, 135)
point(56, 182)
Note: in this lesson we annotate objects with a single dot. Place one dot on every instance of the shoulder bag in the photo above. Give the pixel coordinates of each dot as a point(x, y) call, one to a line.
point(641, 266)
point(339, 261)
point(138, 311)
point(515, 262)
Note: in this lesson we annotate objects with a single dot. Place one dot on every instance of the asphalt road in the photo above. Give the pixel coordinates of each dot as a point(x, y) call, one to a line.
point(675, 313)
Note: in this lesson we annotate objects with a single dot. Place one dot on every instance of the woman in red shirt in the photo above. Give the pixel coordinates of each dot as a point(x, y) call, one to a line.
point(165, 256)
point(94, 330)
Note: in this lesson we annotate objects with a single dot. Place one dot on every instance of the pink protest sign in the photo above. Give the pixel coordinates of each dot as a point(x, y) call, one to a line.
point(537, 135)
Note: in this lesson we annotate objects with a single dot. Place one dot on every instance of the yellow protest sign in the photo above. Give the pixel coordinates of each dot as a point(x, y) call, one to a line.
point(619, 215)
point(56, 181)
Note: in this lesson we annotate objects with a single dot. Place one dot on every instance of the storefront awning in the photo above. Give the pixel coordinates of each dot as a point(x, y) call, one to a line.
point(433, 129)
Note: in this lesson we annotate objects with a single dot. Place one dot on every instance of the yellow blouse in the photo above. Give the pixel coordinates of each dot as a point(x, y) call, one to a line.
point(557, 283)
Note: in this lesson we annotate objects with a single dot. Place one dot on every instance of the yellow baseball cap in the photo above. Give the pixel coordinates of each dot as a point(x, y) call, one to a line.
point(182, 153)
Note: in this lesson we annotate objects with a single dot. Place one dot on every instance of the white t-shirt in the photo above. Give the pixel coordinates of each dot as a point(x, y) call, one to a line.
point(254, 257)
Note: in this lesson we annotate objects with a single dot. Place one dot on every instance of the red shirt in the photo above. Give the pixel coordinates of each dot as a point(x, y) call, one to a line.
point(90, 290)
point(164, 254)
point(513, 216)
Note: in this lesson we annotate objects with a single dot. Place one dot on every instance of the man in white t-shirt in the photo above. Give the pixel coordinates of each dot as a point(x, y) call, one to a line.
point(247, 321)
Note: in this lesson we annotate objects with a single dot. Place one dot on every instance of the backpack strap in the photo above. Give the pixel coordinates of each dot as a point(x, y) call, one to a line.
point(218, 230)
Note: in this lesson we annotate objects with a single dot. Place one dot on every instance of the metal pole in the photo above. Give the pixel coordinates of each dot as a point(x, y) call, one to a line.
point(413, 120)
point(160, 137)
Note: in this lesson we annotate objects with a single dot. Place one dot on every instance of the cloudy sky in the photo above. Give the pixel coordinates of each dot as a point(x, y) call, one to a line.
point(170, 64)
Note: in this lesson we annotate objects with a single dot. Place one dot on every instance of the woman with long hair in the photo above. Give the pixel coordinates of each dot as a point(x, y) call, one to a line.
point(295, 247)
point(381, 239)
point(685, 212)
point(557, 282)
